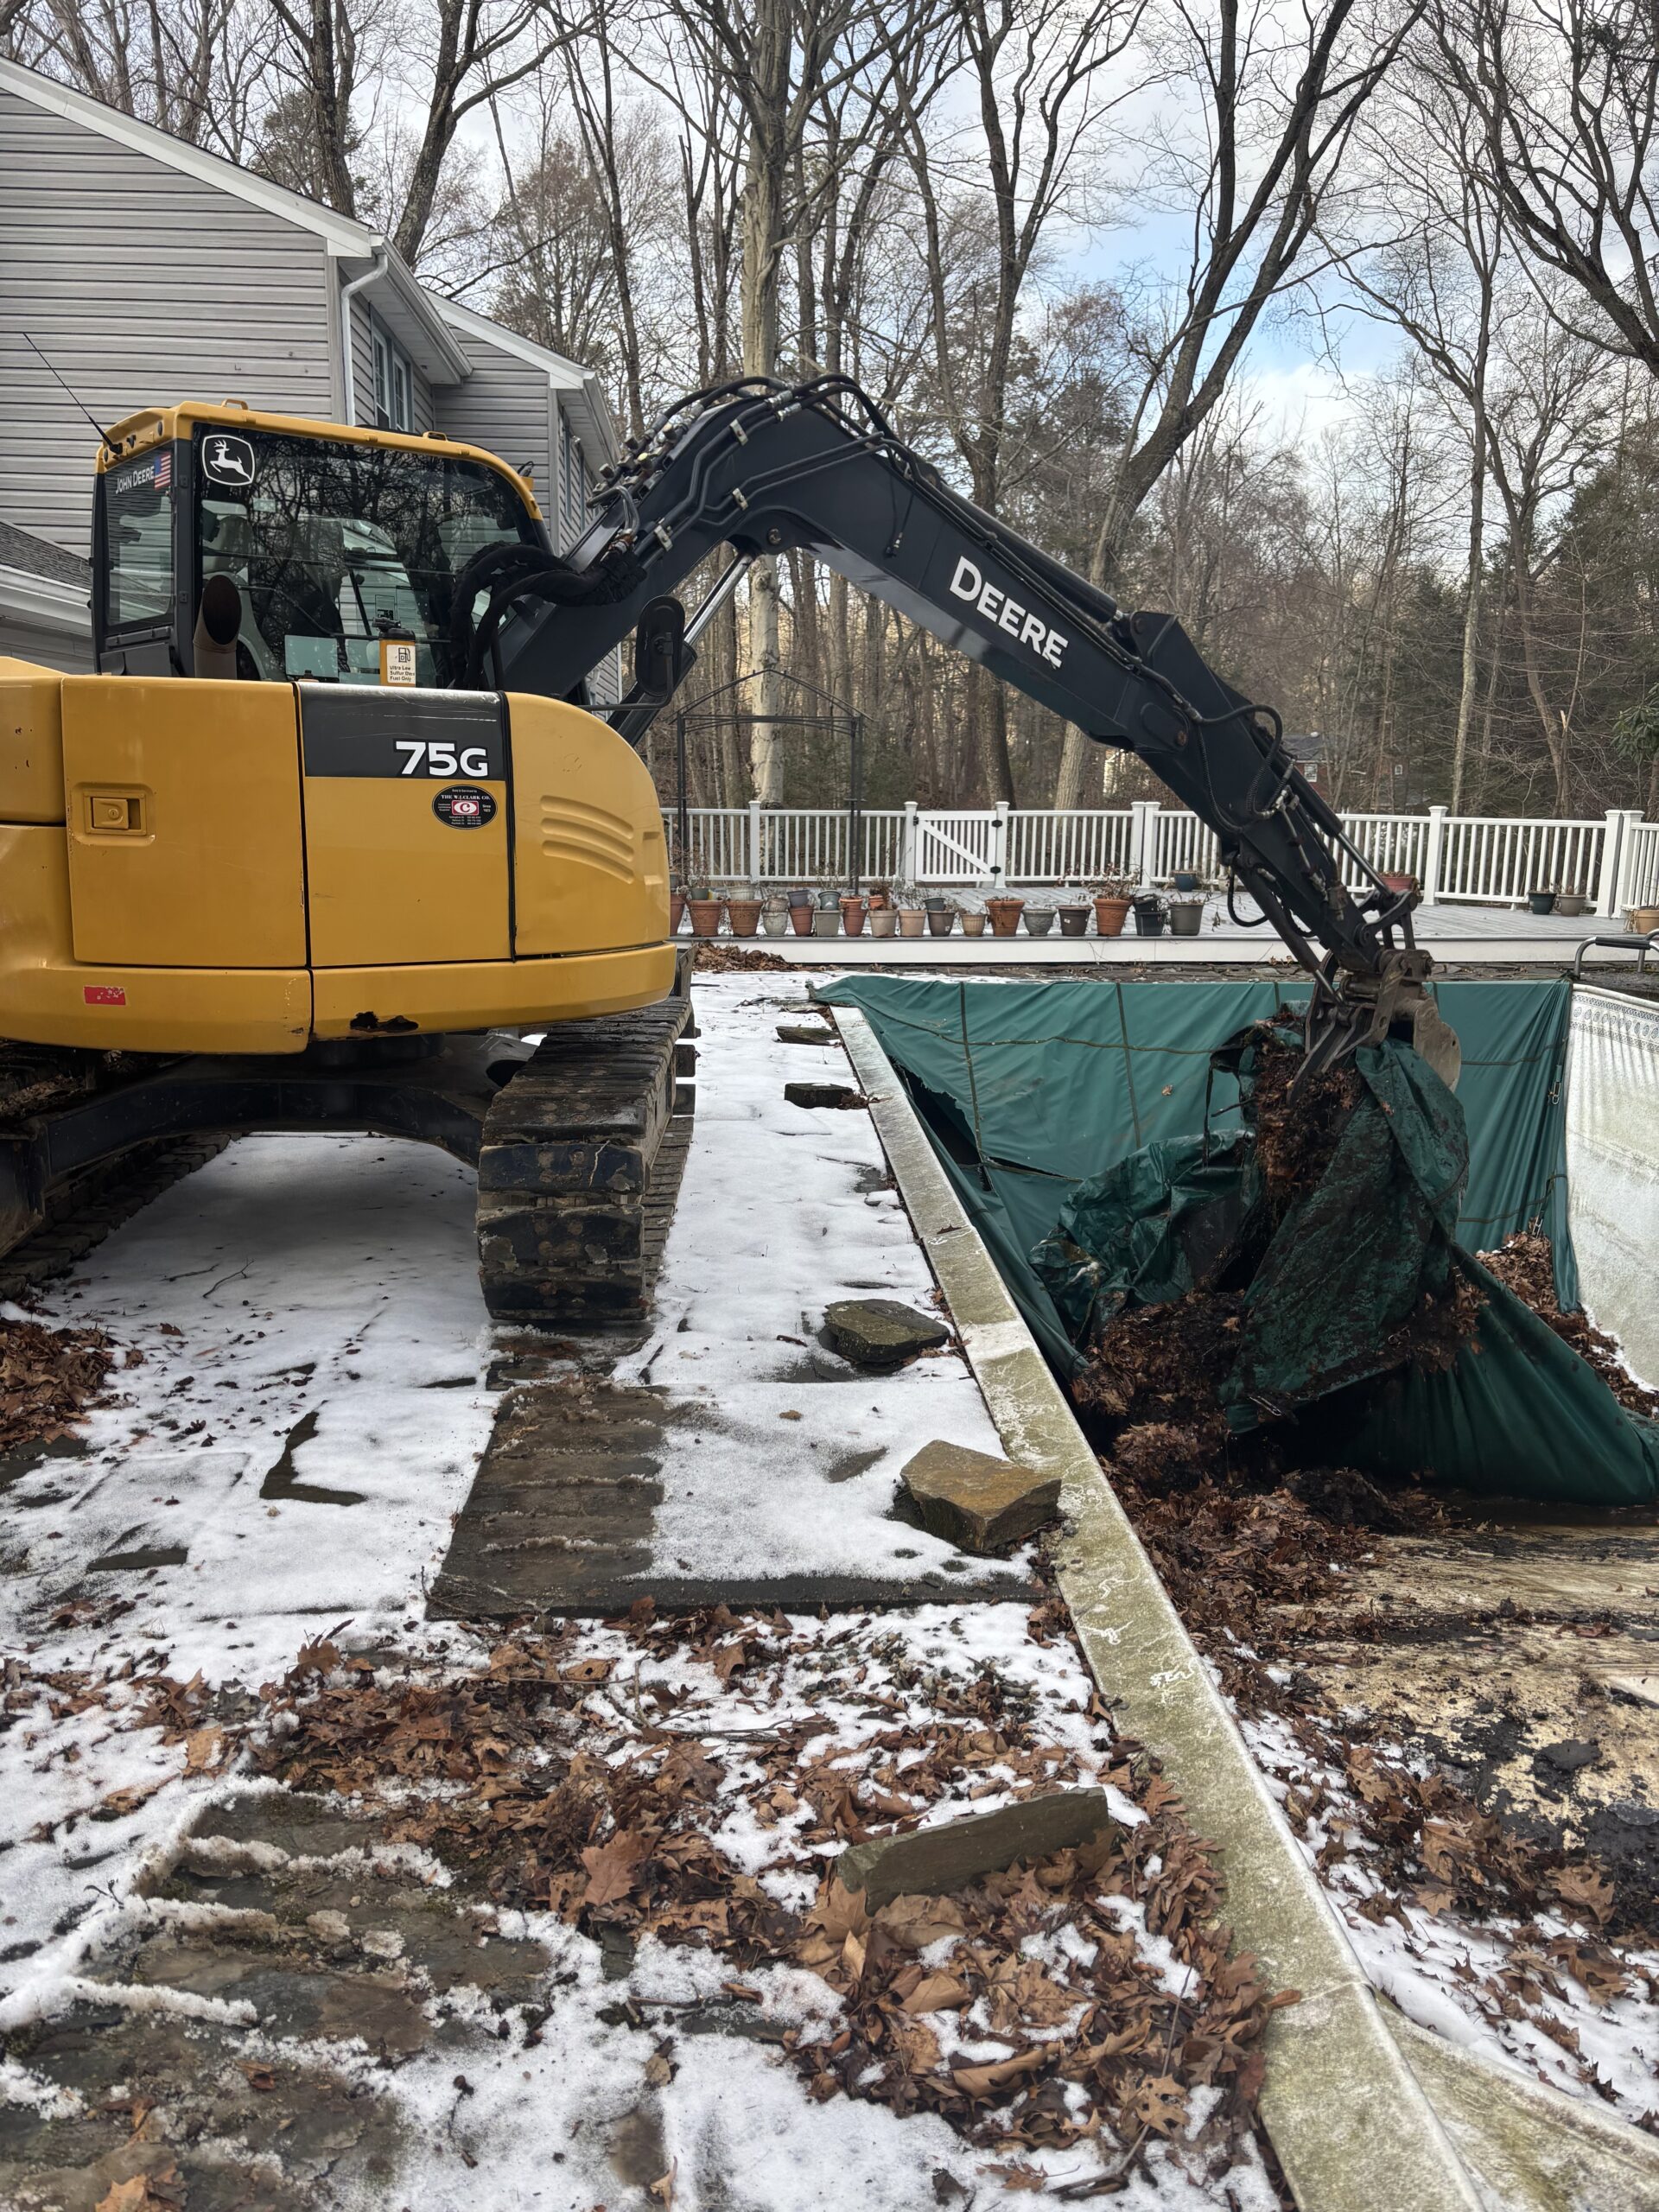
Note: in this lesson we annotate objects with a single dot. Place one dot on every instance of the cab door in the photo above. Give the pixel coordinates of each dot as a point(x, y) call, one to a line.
point(406, 828)
point(182, 802)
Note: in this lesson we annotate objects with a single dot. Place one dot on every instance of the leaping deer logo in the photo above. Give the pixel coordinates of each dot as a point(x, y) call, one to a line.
point(229, 460)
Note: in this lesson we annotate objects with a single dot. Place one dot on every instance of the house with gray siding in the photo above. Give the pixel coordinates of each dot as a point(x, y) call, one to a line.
point(146, 271)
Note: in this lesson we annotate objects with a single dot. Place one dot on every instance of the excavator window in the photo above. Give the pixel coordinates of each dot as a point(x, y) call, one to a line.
point(139, 526)
point(334, 545)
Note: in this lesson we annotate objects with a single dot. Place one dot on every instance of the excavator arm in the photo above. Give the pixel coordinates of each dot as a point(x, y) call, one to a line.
point(761, 467)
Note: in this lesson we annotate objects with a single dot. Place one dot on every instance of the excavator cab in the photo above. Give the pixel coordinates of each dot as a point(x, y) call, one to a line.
point(333, 541)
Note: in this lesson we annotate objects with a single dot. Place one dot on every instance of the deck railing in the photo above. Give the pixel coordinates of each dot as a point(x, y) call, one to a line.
point(1611, 859)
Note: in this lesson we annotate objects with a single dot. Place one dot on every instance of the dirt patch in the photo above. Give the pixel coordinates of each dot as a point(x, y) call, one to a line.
point(1271, 1582)
point(48, 1379)
point(1525, 1263)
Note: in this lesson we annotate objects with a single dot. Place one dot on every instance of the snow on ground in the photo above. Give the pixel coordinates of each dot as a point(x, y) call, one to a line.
point(300, 1413)
point(784, 1459)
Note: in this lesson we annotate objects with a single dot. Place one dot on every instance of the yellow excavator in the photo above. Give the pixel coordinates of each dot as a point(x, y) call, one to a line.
point(333, 825)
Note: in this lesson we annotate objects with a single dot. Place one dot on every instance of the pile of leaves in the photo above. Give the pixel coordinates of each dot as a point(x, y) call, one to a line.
point(716, 957)
point(1256, 1577)
point(1525, 1263)
point(602, 1774)
point(48, 1378)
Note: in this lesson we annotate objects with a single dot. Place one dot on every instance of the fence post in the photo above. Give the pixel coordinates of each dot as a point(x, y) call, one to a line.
point(1143, 839)
point(1434, 852)
point(907, 849)
point(755, 841)
point(1615, 838)
point(999, 845)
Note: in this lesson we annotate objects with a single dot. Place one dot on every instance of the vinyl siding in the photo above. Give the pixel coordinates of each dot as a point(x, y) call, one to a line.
point(60, 649)
point(143, 286)
point(506, 406)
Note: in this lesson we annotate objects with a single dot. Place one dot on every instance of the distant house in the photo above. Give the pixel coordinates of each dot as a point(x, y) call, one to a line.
point(147, 271)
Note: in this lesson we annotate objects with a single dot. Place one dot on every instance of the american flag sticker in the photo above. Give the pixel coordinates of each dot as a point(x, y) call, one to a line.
point(163, 477)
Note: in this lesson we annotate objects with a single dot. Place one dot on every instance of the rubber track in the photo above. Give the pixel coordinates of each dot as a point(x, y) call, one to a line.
point(81, 1217)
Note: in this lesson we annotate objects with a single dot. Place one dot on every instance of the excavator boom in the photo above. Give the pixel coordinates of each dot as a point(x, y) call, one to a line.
point(764, 467)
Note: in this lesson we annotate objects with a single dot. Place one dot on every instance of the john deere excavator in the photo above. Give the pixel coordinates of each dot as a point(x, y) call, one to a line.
point(334, 814)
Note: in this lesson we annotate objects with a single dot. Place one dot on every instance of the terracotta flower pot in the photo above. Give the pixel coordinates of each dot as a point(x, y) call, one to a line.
point(884, 921)
point(911, 921)
point(1110, 914)
point(675, 912)
point(972, 924)
point(1005, 915)
point(1645, 920)
point(744, 915)
point(705, 916)
point(853, 911)
point(800, 919)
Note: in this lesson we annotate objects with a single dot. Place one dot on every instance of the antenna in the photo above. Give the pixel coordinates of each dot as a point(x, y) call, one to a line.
point(103, 434)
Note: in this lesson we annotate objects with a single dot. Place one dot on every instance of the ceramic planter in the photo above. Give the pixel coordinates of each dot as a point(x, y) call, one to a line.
point(826, 921)
point(1572, 904)
point(974, 925)
point(911, 921)
point(1038, 921)
point(853, 911)
point(1005, 915)
point(1074, 921)
point(941, 920)
point(1643, 920)
point(1186, 917)
point(705, 916)
point(744, 915)
point(1538, 902)
point(884, 921)
point(1185, 880)
point(1110, 914)
point(775, 920)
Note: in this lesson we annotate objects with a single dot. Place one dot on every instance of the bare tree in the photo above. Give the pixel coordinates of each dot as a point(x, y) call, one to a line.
point(1042, 94)
point(1565, 93)
point(1272, 116)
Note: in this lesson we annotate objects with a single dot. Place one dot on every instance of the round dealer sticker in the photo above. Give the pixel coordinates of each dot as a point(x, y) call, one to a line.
point(463, 806)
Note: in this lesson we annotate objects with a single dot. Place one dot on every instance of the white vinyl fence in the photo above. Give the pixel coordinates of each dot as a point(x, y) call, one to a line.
point(1492, 859)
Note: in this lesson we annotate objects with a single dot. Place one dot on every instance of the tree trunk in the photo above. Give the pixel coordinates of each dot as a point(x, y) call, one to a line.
point(1471, 677)
point(765, 178)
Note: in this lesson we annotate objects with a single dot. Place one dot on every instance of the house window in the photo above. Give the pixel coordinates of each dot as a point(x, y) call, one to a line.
point(394, 382)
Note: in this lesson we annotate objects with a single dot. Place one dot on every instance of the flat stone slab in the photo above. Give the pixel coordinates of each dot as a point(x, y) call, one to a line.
point(880, 1333)
point(822, 1094)
point(976, 1501)
point(562, 1518)
point(801, 1033)
point(933, 1862)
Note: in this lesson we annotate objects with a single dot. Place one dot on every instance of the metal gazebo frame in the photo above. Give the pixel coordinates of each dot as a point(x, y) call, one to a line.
point(837, 717)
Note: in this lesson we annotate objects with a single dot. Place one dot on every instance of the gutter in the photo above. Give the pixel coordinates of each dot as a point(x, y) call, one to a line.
point(44, 603)
point(347, 294)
